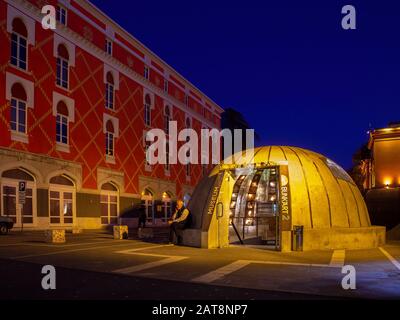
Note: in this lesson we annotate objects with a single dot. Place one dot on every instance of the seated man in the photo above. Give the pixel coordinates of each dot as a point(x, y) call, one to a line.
point(180, 221)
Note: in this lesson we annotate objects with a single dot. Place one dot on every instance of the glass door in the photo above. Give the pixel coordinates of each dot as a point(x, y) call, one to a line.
point(61, 207)
point(11, 207)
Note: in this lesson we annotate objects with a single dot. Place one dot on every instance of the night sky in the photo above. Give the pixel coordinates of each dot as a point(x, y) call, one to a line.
point(298, 77)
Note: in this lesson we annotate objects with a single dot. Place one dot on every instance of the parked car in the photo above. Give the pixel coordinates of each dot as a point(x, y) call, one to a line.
point(6, 224)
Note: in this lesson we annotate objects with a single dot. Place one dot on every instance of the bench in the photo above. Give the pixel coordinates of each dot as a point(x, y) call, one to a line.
point(191, 237)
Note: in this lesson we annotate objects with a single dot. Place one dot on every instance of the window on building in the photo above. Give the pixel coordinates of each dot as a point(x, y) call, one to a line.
point(110, 91)
point(18, 119)
point(109, 47)
point(167, 119)
point(62, 197)
point(146, 72)
point(62, 67)
point(61, 15)
point(166, 206)
point(148, 204)
point(147, 145)
point(110, 137)
point(167, 164)
point(187, 100)
point(19, 44)
point(147, 110)
point(166, 85)
point(109, 199)
point(62, 123)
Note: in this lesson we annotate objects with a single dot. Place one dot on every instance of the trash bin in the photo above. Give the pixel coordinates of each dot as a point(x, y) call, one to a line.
point(298, 238)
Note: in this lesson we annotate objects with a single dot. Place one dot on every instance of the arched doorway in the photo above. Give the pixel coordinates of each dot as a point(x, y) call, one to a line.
point(148, 204)
point(109, 202)
point(166, 206)
point(62, 201)
point(21, 213)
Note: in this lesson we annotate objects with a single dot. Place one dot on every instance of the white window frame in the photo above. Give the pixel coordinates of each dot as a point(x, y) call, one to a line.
point(60, 64)
point(61, 189)
point(17, 111)
point(59, 10)
point(59, 118)
point(109, 46)
point(109, 194)
point(146, 72)
point(110, 94)
point(18, 58)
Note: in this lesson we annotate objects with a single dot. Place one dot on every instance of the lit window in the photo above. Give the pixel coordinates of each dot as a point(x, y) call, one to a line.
point(108, 46)
point(61, 15)
point(19, 42)
point(62, 67)
point(62, 123)
point(18, 119)
point(147, 110)
point(110, 152)
point(146, 72)
point(110, 91)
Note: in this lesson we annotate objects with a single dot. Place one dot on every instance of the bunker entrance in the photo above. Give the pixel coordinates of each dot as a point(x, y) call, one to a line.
point(254, 208)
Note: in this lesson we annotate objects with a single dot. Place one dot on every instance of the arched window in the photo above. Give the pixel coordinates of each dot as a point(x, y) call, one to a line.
point(110, 139)
point(18, 120)
point(110, 91)
point(62, 123)
point(109, 201)
point(62, 67)
point(10, 193)
point(167, 119)
point(147, 110)
point(167, 207)
point(148, 204)
point(19, 44)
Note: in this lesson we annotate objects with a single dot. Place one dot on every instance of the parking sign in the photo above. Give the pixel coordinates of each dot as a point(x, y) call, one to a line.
point(22, 192)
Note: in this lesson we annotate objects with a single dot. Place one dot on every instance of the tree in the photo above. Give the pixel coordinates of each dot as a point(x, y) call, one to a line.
point(361, 164)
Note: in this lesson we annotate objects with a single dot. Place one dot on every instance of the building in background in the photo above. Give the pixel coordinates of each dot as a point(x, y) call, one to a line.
point(75, 105)
point(382, 176)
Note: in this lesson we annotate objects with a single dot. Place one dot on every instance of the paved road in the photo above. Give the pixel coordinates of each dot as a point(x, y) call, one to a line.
point(92, 265)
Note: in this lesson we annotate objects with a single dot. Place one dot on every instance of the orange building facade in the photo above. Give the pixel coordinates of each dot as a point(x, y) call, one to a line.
point(382, 173)
point(75, 105)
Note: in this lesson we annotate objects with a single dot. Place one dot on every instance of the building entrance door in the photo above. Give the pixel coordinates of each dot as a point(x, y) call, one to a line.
point(254, 207)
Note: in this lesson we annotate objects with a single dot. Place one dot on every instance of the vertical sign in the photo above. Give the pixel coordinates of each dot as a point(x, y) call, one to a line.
point(21, 200)
point(285, 205)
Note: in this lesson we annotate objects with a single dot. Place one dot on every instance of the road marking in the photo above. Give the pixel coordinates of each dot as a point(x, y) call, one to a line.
point(70, 251)
point(150, 265)
point(240, 264)
point(166, 259)
point(133, 251)
point(392, 260)
point(221, 272)
point(338, 257)
point(29, 244)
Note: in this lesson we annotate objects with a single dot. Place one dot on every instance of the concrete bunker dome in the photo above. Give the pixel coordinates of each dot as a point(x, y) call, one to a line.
point(322, 194)
point(322, 198)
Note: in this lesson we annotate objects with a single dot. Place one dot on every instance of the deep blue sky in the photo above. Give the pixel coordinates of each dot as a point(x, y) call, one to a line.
point(298, 77)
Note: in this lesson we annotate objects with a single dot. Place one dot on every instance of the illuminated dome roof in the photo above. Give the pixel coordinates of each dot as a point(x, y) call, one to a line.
point(322, 194)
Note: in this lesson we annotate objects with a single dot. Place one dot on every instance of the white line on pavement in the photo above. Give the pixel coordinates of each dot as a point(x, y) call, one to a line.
point(71, 251)
point(392, 260)
point(133, 251)
point(338, 257)
point(237, 265)
point(145, 266)
point(221, 272)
